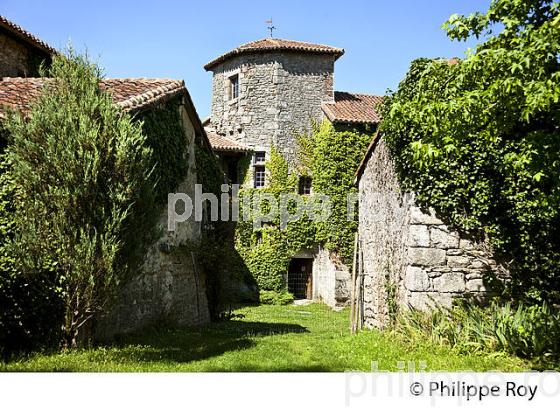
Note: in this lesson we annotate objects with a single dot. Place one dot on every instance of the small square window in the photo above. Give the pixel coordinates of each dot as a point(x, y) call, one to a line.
point(234, 87)
point(305, 185)
point(260, 157)
point(259, 176)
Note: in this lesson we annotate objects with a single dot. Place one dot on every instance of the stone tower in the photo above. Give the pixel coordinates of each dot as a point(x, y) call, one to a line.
point(267, 91)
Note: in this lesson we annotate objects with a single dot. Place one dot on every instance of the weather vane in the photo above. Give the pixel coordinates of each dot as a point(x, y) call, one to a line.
point(270, 26)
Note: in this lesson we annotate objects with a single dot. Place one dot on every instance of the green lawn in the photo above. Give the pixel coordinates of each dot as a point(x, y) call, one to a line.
point(264, 338)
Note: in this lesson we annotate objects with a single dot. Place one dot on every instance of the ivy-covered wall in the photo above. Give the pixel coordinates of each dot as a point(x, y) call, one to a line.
point(171, 283)
point(330, 157)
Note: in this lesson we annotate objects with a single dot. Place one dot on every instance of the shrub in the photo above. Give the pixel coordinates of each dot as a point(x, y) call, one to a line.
point(30, 307)
point(531, 332)
point(271, 297)
point(80, 165)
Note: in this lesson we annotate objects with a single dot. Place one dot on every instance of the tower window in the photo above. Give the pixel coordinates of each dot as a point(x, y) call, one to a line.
point(259, 170)
point(259, 176)
point(234, 87)
point(305, 185)
point(260, 157)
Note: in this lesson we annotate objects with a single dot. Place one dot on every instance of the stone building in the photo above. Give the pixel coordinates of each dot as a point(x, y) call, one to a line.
point(264, 94)
point(407, 256)
point(21, 53)
point(170, 287)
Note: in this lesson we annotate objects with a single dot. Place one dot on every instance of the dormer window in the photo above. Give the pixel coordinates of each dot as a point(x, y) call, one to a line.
point(234, 87)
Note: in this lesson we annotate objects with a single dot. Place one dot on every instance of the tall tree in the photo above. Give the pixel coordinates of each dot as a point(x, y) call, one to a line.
point(79, 164)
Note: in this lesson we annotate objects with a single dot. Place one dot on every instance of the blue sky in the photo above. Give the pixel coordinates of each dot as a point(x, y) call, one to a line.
point(176, 38)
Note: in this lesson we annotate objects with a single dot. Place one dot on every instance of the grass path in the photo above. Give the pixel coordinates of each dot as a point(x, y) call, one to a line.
point(264, 338)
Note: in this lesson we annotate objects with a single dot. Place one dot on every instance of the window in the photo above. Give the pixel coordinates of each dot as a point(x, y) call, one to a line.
point(305, 185)
point(260, 157)
point(259, 170)
point(234, 87)
point(259, 176)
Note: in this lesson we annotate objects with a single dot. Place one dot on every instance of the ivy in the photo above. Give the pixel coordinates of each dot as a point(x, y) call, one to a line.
point(330, 157)
point(162, 125)
point(478, 140)
point(336, 156)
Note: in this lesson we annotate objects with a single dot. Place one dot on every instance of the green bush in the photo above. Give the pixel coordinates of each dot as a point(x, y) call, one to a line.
point(30, 307)
point(477, 138)
point(81, 167)
point(271, 297)
point(531, 332)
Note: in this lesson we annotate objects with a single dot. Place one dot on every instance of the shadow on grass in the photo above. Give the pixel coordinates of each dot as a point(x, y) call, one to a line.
point(187, 345)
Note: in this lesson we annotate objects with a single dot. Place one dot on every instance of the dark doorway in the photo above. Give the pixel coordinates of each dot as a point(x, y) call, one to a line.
point(232, 171)
point(300, 278)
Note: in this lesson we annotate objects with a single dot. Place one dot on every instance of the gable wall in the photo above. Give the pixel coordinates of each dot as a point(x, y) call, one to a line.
point(410, 251)
point(17, 59)
point(171, 288)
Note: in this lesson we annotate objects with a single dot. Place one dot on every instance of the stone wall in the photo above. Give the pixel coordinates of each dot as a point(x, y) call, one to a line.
point(171, 288)
point(280, 94)
point(410, 253)
point(16, 59)
point(331, 279)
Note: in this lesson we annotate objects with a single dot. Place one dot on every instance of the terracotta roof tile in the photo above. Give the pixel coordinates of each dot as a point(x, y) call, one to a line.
point(135, 93)
point(353, 108)
point(221, 143)
point(25, 35)
point(128, 93)
point(272, 44)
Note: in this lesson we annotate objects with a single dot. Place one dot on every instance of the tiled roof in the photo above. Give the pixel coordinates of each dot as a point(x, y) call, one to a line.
point(128, 93)
point(136, 93)
point(272, 44)
point(353, 108)
point(25, 35)
point(221, 143)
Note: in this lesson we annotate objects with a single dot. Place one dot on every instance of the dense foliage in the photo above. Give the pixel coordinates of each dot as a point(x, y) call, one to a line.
point(530, 332)
point(330, 157)
point(30, 308)
point(270, 297)
point(79, 165)
point(163, 128)
point(336, 156)
point(478, 138)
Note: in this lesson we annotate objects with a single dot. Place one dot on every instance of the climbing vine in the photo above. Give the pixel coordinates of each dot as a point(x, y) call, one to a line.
point(165, 135)
point(477, 138)
point(330, 157)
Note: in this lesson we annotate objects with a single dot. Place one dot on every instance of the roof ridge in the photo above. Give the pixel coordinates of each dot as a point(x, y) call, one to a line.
point(127, 94)
point(17, 79)
point(27, 35)
point(154, 94)
point(141, 78)
point(267, 44)
point(353, 93)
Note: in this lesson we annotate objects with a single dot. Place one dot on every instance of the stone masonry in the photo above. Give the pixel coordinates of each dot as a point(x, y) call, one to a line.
point(18, 59)
point(171, 287)
point(411, 251)
point(331, 279)
point(280, 94)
